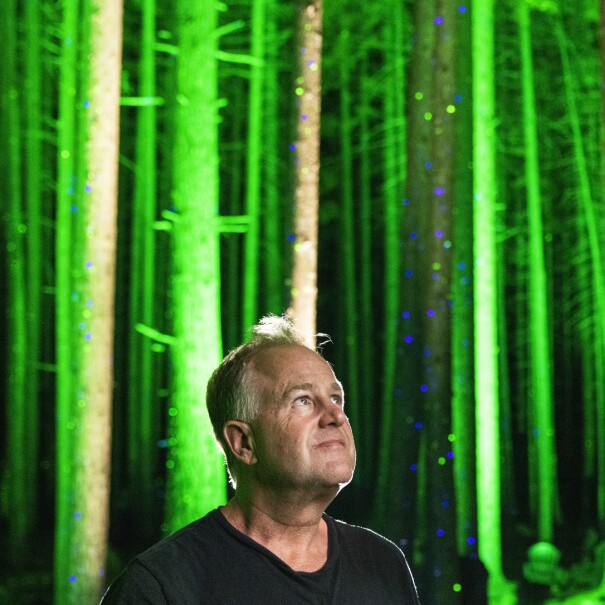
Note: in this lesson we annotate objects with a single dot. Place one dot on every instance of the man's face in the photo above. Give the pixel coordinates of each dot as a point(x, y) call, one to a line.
point(302, 436)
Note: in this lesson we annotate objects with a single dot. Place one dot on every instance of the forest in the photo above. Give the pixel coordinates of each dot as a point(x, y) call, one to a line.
point(419, 183)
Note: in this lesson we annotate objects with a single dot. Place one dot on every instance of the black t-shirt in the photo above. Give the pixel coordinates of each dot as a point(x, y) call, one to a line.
point(211, 562)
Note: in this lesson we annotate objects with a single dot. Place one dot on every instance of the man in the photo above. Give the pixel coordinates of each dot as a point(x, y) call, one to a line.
point(277, 411)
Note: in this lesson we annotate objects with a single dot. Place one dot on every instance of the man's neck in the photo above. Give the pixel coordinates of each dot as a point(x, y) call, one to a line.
point(293, 531)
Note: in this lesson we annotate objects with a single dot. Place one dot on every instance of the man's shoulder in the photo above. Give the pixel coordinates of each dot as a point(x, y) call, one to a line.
point(201, 533)
point(364, 536)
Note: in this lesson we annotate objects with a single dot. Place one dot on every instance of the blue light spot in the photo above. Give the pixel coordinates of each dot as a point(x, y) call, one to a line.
point(86, 104)
point(438, 20)
point(291, 237)
point(440, 533)
point(409, 273)
point(89, 265)
point(461, 266)
point(462, 8)
point(405, 315)
point(445, 503)
point(438, 233)
point(413, 235)
point(292, 147)
point(471, 540)
point(303, 117)
point(88, 336)
point(88, 188)
point(413, 467)
point(438, 191)
point(72, 578)
point(536, 432)
point(77, 515)
point(408, 339)
point(430, 312)
point(418, 426)
point(406, 202)
point(458, 98)
point(450, 455)
point(424, 388)
point(73, 208)
point(428, 165)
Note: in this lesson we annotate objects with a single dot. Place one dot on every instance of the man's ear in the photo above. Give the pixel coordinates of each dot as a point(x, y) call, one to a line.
point(240, 440)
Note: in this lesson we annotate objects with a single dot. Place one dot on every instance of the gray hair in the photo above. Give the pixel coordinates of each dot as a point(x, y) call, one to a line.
point(231, 393)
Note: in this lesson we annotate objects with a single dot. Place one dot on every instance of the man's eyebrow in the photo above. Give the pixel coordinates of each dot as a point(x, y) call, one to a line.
point(310, 386)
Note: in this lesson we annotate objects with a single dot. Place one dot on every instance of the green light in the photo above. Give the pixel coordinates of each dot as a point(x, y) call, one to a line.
point(428, 116)
point(457, 587)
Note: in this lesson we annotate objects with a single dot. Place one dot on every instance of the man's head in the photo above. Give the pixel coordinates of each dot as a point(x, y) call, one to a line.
point(277, 408)
point(231, 393)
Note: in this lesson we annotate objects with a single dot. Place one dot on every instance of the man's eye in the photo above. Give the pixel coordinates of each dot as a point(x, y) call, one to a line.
point(337, 399)
point(303, 400)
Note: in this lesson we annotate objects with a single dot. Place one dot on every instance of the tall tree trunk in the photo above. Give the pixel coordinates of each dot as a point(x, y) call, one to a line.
point(253, 166)
point(308, 89)
point(348, 248)
point(463, 411)
point(196, 478)
point(436, 316)
point(593, 227)
point(143, 419)
point(485, 298)
point(274, 265)
point(18, 459)
point(93, 293)
point(67, 150)
point(541, 394)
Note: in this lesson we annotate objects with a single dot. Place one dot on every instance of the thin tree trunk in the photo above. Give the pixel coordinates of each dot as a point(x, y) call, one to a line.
point(143, 420)
point(18, 459)
point(304, 272)
point(348, 248)
point(253, 166)
point(436, 315)
point(539, 331)
point(485, 298)
point(596, 261)
point(463, 411)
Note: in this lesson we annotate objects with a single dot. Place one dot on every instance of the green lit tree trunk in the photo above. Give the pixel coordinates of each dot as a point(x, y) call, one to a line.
point(463, 412)
point(593, 228)
point(273, 142)
point(34, 251)
point(67, 150)
point(143, 420)
point(348, 247)
point(366, 314)
point(436, 316)
point(93, 286)
point(308, 89)
point(196, 478)
point(396, 482)
point(393, 192)
point(253, 166)
point(485, 298)
point(18, 438)
point(541, 396)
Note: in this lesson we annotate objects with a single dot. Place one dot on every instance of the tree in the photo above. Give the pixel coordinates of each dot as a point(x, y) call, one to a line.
point(196, 477)
point(308, 89)
point(83, 482)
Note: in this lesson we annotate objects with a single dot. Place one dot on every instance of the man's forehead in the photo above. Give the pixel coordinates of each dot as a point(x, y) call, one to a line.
point(290, 362)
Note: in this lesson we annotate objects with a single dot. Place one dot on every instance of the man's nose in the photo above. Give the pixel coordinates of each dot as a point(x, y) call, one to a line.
point(331, 413)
